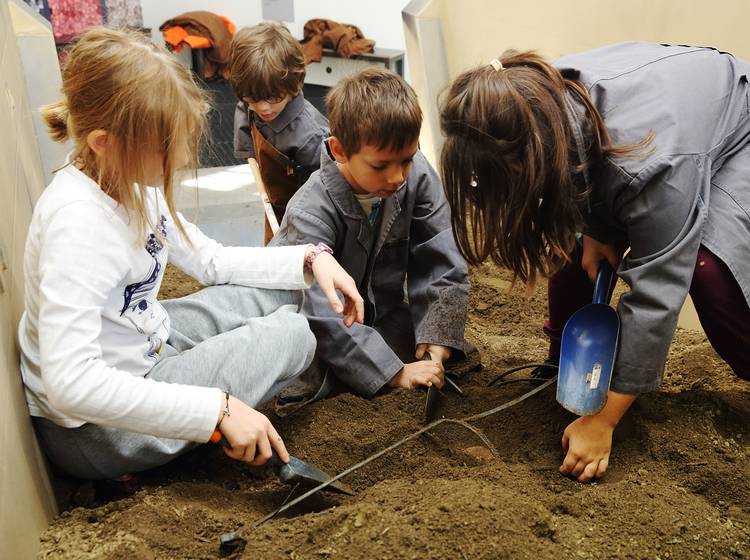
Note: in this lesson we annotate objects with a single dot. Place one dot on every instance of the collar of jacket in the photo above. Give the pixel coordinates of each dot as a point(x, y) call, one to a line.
point(292, 110)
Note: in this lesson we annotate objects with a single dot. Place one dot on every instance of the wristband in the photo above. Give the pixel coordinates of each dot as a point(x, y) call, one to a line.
point(311, 255)
point(225, 410)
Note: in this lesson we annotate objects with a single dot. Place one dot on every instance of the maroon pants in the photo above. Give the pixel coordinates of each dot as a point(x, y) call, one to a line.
point(719, 301)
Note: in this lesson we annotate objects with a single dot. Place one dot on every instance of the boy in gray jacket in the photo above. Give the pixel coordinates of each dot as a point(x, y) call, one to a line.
point(380, 206)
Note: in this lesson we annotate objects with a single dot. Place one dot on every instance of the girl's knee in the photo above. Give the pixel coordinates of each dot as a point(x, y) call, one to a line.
point(281, 298)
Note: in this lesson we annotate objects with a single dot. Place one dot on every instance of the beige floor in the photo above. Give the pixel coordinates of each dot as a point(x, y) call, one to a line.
point(224, 203)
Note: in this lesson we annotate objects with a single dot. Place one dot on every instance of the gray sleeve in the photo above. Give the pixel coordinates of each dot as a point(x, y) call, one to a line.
point(243, 139)
point(664, 220)
point(308, 154)
point(437, 277)
point(358, 355)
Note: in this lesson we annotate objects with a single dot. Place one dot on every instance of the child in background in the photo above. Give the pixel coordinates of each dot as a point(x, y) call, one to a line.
point(633, 145)
point(273, 122)
point(380, 205)
point(116, 381)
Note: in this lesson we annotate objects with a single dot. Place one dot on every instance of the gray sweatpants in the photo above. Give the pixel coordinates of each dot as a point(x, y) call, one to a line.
point(248, 341)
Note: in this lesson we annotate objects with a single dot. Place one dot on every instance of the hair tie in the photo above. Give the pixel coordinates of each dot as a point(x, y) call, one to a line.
point(497, 65)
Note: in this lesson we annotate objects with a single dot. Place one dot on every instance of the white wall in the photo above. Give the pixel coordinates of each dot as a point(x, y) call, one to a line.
point(379, 20)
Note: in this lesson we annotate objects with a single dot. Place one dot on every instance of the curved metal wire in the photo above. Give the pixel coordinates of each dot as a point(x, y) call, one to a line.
point(459, 421)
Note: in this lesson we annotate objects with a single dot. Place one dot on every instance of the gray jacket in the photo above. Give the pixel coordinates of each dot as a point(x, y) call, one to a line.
point(297, 132)
point(690, 187)
point(412, 238)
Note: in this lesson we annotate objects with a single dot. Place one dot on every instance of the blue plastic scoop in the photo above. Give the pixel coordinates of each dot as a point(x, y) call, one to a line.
point(588, 351)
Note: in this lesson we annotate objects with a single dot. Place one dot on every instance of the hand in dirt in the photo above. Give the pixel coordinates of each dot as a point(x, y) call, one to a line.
point(420, 374)
point(594, 252)
point(587, 443)
point(251, 435)
point(438, 353)
point(331, 276)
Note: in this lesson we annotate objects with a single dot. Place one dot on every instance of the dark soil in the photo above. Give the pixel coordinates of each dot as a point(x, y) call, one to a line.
point(678, 484)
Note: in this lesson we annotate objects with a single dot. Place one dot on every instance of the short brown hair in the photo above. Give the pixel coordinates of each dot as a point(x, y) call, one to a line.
point(265, 61)
point(374, 107)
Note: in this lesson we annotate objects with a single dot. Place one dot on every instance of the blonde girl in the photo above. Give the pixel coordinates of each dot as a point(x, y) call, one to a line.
point(117, 381)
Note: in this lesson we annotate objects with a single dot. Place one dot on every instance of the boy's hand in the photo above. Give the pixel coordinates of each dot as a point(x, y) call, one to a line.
point(251, 435)
point(331, 276)
point(587, 443)
point(438, 353)
point(424, 373)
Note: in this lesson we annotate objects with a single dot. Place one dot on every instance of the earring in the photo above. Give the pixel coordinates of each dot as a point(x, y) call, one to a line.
point(473, 182)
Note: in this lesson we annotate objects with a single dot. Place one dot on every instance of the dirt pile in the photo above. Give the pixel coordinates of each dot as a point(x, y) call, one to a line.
point(678, 485)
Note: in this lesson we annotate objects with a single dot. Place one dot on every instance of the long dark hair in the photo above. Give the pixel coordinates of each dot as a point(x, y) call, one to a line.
point(510, 166)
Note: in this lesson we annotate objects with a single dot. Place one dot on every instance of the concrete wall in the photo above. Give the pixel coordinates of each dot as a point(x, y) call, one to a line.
point(26, 502)
point(476, 31)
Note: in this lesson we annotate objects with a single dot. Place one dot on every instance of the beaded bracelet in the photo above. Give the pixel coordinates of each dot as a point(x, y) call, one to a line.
point(225, 410)
point(314, 252)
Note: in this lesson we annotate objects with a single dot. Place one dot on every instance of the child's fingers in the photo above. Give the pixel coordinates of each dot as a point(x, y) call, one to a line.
point(326, 284)
point(353, 312)
point(565, 441)
point(577, 470)
point(438, 380)
point(421, 348)
point(278, 444)
point(569, 463)
point(351, 295)
point(262, 451)
point(613, 256)
point(589, 472)
point(602, 467)
point(249, 455)
point(236, 452)
point(350, 313)
point(429, 379)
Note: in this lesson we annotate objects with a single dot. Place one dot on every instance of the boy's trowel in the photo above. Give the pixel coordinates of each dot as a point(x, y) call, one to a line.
point(435, 397)
point(588, 351)
point(295, 471)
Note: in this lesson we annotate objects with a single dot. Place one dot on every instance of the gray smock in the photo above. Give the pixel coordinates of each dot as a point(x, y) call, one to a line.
point(297, 132)
point(413, 238)
point(690, 186)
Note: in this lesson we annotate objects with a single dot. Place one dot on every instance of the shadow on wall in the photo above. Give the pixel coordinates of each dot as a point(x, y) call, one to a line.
point(29, 77)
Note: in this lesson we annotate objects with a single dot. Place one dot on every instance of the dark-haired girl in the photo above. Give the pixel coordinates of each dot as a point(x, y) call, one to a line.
point(551, 168)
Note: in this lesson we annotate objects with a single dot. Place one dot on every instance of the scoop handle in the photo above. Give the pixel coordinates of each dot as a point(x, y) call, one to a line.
point(603, 282)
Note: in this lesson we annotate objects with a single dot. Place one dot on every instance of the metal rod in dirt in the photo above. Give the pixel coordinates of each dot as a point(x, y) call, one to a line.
point(411, 436)
point(511, 403)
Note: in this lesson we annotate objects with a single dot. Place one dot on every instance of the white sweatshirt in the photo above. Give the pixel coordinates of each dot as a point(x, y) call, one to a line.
point(92, 326)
